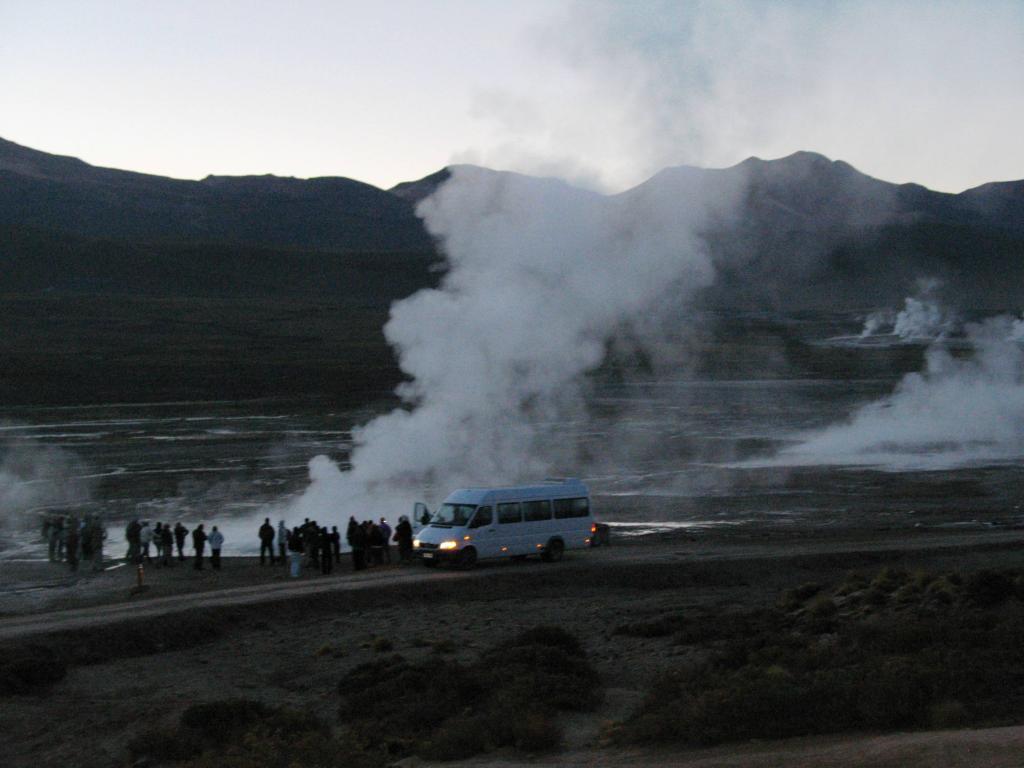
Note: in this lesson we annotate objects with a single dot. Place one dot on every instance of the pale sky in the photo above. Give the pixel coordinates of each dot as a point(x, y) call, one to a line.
point(601, 92)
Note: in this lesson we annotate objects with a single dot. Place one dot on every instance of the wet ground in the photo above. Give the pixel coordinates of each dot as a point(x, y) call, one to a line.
point(662, 448)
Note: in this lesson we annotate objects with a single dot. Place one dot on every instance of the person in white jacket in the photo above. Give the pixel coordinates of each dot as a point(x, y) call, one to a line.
point(282, 541)
point(145, 537)
point(216, 540)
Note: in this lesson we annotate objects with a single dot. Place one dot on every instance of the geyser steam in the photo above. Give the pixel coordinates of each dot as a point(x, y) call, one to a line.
point(541, 275)
point(35, 476)
point(957, 411)
point(922, 319)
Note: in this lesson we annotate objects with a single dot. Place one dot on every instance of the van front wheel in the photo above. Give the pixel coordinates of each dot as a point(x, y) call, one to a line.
point(553, 551)
point(467, 559)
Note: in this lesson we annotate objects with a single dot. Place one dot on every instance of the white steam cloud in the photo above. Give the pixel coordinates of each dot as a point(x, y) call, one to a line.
point(922, 319)
point(541, 275)
point(33, 477)
point(711, 83)
point(959, 411)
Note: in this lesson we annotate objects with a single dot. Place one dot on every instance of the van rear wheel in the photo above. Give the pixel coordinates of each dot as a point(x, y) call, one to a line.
point(553, 551)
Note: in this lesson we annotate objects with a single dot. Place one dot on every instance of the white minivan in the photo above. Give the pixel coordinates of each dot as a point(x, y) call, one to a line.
point(479, 523)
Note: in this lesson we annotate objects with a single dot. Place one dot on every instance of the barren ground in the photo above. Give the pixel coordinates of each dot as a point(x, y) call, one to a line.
point(288, 642)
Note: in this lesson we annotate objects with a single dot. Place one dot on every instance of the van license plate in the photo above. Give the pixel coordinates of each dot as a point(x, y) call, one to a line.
point(428, 555)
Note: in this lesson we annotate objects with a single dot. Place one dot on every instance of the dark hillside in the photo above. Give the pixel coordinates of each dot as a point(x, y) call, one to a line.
point(65, 195)
point(96, 321)
point(125, 286)
point(804, 232)
point(45, 261)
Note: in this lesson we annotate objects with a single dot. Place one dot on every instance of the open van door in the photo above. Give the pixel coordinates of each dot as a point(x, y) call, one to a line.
point(418, 511)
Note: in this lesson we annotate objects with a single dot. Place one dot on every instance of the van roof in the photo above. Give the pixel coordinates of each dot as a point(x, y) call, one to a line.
point(550, 489)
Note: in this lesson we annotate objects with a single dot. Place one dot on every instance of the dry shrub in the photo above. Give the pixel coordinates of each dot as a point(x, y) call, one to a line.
point(242, 733)
point(443, 646)
point(443, 710)
point(891, 659)
point(31, 669)
point(660, 627)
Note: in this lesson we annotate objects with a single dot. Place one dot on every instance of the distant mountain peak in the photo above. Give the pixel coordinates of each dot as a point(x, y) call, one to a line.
point(41, 165)
point(414, 191)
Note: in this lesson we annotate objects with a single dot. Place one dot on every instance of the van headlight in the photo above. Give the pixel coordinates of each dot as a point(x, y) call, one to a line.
point(448, 545)
point(415, 543)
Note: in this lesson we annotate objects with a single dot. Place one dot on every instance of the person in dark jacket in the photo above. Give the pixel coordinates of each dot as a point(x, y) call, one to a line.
point(131, 535)
point(336, 543)
point(377, 543)
point(98, 532)
point(180, 532)
point(359, 544)
point(385, 531)
point(199, 544)
point(312, 543)
point(54, 531)
point(167, 545)
point(74, 542)
point(403, 535)
point(266, 541)
point(326, 555)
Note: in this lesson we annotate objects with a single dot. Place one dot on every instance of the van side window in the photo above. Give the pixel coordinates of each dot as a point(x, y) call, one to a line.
point(482, 517)
point(509, 513)
point(537, 510)
point(565, 508)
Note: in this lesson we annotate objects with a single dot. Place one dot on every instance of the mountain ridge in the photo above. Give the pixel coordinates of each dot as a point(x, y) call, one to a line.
point(801, 231)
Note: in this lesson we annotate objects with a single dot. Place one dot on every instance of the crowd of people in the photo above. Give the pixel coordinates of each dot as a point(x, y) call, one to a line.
point(369, 543)
point(72, 539)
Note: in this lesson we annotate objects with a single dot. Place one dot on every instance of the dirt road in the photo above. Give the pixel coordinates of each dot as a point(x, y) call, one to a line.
point(124, 603)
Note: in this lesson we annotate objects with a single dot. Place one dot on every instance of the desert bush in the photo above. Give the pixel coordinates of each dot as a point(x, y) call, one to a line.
point(536, 732)
point(893, 662)
point(160, 746)
point(889, 580)
point(242, 733)
point(854, 582)
point(948, 713)
point(727, 626)
point(444, 710)
point(30, 669)
point(394, 696)
point(989, 588)
point(443, 646)
point(792, 599)
point(551, 637)
point(459, 739)
point(660, 627)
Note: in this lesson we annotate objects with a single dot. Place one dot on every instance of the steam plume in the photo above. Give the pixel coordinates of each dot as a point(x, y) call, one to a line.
point(34, 476)
point(541, 275)
point(922, 319)
point(958, 411)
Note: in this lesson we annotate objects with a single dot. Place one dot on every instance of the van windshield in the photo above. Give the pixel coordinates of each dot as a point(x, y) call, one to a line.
point(453, 514)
